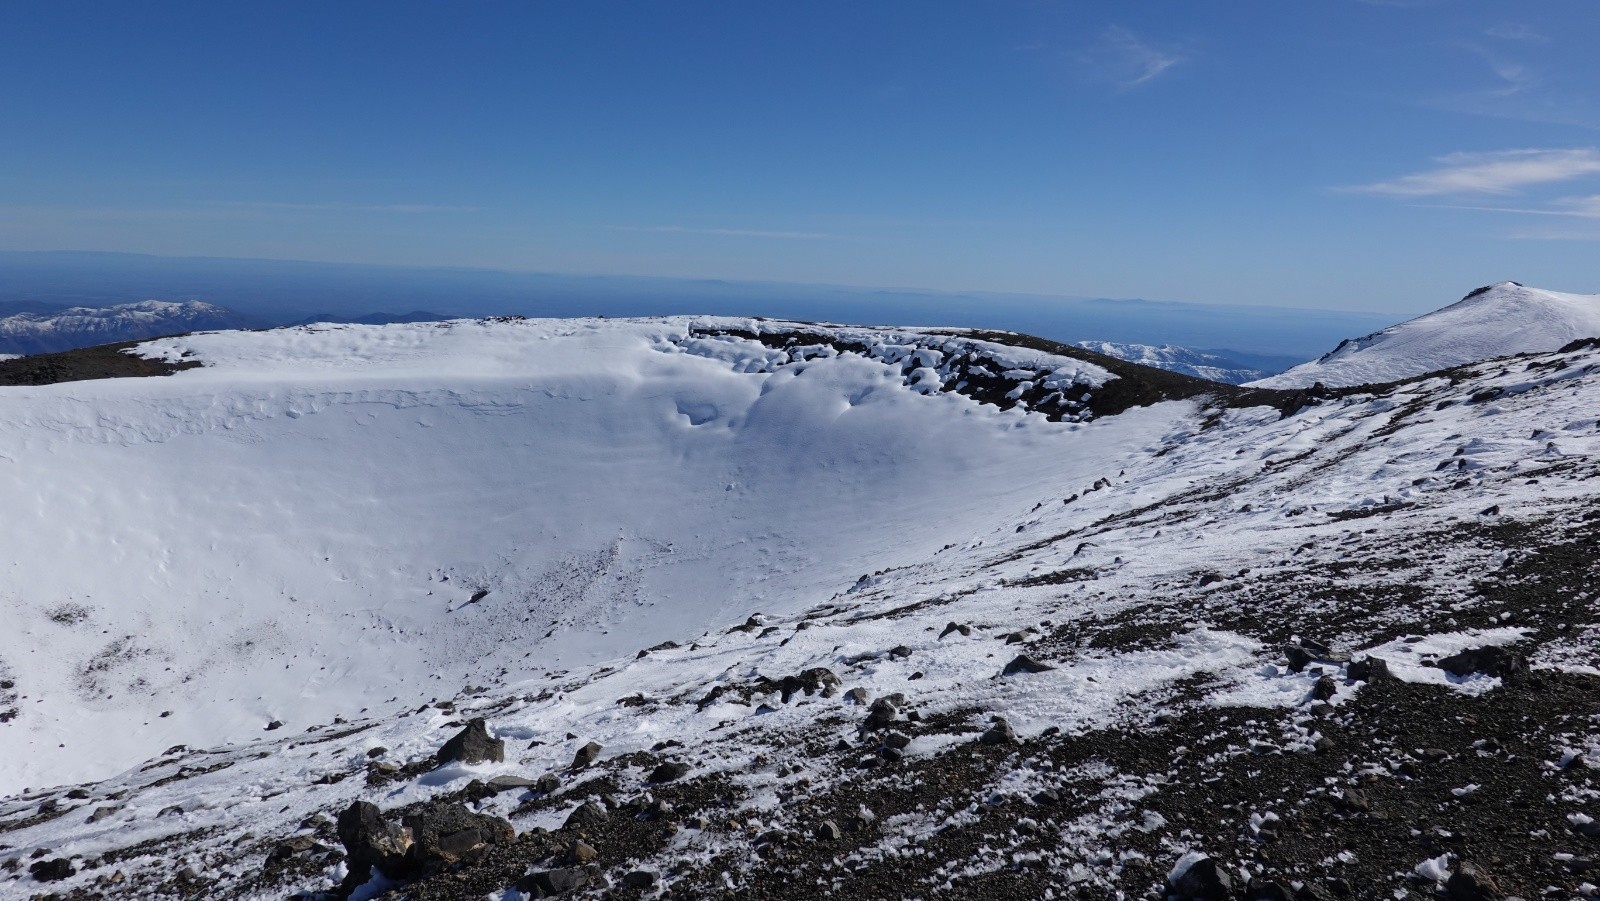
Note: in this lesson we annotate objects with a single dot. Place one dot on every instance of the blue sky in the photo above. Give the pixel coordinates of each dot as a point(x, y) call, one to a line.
point(1382, 156)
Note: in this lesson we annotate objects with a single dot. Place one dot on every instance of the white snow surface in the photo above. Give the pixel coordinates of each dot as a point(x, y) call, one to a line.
point(297, 530)
point(1497, 321)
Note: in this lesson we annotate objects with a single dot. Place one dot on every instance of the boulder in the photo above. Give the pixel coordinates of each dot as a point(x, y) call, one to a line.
point(1492, 661)
point(472, 745)
point(51, 870)
point(1000, 733)
point(443, 834)
point(586, 755)
point(1025, 664)
point(370, 841)
point(669, 771)
point(1369, 669)
point(882, 712)
point(1202, 880)
point(956, 627)
point(587, 814)
point(551, 883)
point(1471, 882)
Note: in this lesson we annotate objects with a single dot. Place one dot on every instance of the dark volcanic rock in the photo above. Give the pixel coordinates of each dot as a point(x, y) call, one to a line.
point(1025, 664)
point(1204, 880)
point(51, 870)
point(588, 814)
point(443, 834)
point(551, 883)
point(1000, 733)
point(1369, 669)
point(1492, 661)
point(473, 745)
point(371, 841)
point(1471, 883)
point(669, 771)
point(586, 755)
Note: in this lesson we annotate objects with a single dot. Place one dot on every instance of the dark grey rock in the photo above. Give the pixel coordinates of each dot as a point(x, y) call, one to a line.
point(586, 755)
point(829, 831)
point(472, 745)
point(370, 841)
point(443, 834)
point(1025, 664)
point(1324, 689)
point(1491, 660)
point(956, 627)
point(588, 814)
point(1369, 669)
point(639, 879)
point(51, 870)
point(1471, 882)
point(669, 771)
point(1205, 880)
point(1000, 733)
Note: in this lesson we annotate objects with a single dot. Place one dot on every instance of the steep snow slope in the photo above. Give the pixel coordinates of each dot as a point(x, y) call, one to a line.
point(1172, 358)
point(328, 517)
point(1158, 564)
point(1493, 321)
point(57, 330)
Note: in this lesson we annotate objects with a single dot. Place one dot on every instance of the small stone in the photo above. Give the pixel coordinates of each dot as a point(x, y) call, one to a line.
point(1492, 661)
point(1298, 658)
point(377, 752)
point(1000, 733)
point(828, 831)
point(553, 882)
point(897, 740)
point(548, 783)
point(101, 813)
point(899, 652)
point(669, 771)
point(639, 879)
point(586, 755)
point(510, 783)
point(1324, 689)
point(78, 794)
point(857, 695)
point(956, 627)
point(1025, 664)
point(274, 725)
point(582, 852)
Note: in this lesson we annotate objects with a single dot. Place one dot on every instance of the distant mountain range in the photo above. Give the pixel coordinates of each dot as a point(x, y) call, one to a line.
point(38, 331)
point(1231, 367)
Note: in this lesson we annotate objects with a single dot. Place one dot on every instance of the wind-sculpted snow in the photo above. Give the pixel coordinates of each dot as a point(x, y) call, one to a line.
point(1493, 321)
point(814, 582)
point(313, 495)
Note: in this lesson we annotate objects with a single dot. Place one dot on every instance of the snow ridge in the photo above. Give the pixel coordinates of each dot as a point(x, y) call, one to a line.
point(1493, 321)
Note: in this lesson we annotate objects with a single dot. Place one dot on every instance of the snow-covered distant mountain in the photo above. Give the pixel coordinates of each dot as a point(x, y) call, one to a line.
point(734, 608)
point(57, 330)
point(1210, 365)
point(1493, 321)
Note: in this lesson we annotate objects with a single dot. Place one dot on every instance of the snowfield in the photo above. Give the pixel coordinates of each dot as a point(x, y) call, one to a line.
point(813, 565)
point(1494, 321)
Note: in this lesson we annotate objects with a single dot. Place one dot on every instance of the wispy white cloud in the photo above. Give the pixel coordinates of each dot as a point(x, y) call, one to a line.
point(729, 232)
point(1503, 172)
point(1513, 31)
point(1586, 207)
point(347, 207)
point(1126, 60)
